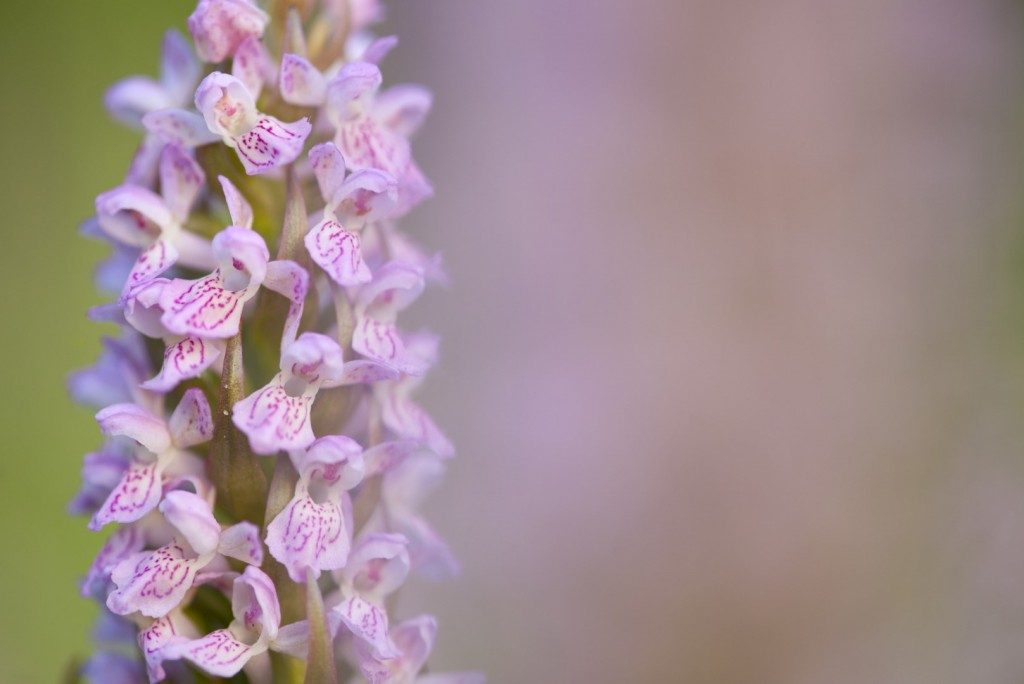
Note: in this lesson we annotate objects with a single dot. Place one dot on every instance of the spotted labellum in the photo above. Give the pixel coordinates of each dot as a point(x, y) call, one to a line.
point(260, 464)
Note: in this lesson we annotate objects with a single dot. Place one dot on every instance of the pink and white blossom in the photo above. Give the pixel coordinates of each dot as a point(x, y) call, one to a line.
point(219, 27)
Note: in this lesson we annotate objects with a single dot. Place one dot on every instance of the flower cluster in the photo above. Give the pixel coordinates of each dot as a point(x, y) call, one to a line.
point(264, 461)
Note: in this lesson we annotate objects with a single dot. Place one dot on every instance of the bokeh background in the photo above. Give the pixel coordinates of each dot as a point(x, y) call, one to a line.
point(734, 353)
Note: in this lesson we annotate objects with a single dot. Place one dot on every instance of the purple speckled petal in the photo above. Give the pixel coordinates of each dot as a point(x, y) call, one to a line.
point(153, 641)
point(368, 144)
point(336, 459)
point(131, 98)
point(191, 422)
point(218, 653)
point(204, 307)
point(101, 472)
point(179, 125)
point(251, 65)
point(135, 422)
point(152, 583)
point(184, 359)
point(238, 207)
point(338, 253)
point(378, 565)
point(138, 492)
point(242, 541)
point(153, 261)
point(132, 215)
point(219, 27)
point(123, 544)
point(271, 143)
point(370, 623)
point(192, 516)
point(273, 420)
point(181, 179)
point(307, 534)
point(300, 82)
point(179, 69)
point(291, 280)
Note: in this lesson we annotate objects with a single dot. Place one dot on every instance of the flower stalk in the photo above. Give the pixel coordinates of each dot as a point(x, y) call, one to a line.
point(264, 463)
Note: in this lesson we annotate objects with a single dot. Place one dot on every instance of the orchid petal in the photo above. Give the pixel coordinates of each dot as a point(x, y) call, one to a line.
point(135, 422)
point(384, 457)
point(403, 108)
point(110, 667)
point(301, 83)
point(329, 168)
point(378, 565)
point(273, 420)
point(338, 253)
point(124, 543)
point(153, 261)
point(291, 280)
point(219, 27)
point(184, 359)
point(314, 359)
point(254, 603)
point(226, 104)
point(370, 623)
point(251, 64)
point(181, 179)
point(142, 170)
point(131, 98)
point(192, 516)
point(238, 207)
point(310, 535)
point(368, 144)
point(242, 541)
point(271, 143)
point(179, 70)
point(348, 92)
point(364, 371)
point(337, 459)
point(219, 653)
point(379, 49)
point(191, 423)
point(152, 583)
point(132, 215)
point(366, 196)
point(137, 493)
point(407, 419)
point(152, 641)
point(180, 126)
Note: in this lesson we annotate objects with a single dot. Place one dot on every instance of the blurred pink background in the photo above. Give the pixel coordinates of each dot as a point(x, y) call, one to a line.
point(733, 353)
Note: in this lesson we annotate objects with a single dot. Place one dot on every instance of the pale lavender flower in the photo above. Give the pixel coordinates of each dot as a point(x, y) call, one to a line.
point(219, 27)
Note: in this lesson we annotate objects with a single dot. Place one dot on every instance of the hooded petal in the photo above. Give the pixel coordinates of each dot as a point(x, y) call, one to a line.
point(271, 143)
point(255, 605)
point(192, 516)
point(363, 371)
point(191, 423)
point(228, 107)
point(154, 639)
point(337, 459)
point(403, 108)
point(124, 543)
point(273, 420)
point(366, 196)
point(378, 565)
point(132, 215)
point(219, 27)
point(300, 82)
point(184, 359)
point(135, 422)
point(407, 419)
point(350, 92)
point(314, 359)
point(329, 168)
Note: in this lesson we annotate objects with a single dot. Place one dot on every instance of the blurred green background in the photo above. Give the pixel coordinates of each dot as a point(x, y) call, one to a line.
point(60, 150)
